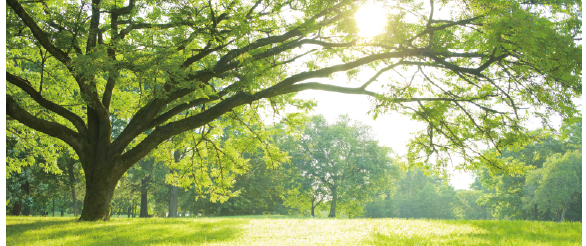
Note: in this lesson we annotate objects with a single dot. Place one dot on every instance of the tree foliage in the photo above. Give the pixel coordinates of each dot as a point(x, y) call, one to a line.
point(551, 185)
point(342, 164)
point(561, 182)
point(171, 69)
point(415, 195)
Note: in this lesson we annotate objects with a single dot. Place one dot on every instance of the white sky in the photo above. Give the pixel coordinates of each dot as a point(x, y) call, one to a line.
point(392, 130)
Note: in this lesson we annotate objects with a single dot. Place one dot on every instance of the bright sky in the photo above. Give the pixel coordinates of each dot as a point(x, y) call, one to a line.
point(392, 130)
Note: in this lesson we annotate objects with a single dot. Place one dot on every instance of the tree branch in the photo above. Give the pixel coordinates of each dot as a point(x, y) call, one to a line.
point(72, 138)
point(37, 32)
point(437, 28)
point(94, 23)
point(26, 87)
point(123, 10)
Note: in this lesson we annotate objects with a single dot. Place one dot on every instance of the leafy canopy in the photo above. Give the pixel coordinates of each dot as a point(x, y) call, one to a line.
point(179, 72)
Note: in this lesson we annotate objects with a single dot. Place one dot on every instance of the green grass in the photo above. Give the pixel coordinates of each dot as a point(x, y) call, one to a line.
point(283, 230)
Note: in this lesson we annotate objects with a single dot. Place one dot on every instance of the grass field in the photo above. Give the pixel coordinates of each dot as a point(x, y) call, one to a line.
point(280, 230)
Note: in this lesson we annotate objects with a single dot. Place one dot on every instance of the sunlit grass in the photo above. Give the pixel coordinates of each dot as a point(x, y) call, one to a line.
point(282, 230)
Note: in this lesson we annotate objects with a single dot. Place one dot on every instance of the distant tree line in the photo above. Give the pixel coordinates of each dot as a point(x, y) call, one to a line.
point(336, 168)
point(549, 189)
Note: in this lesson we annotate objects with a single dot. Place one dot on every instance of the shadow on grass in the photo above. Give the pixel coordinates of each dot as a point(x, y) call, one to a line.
point(29, 223)
point(484, 232)
point(124, 232)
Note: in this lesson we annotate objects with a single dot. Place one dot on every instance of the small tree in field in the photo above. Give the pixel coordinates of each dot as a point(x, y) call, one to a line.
point(343, 163)
point(178, 72)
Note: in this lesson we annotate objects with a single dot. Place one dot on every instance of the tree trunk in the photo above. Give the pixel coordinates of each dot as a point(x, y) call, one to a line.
point(312, 208)
point(62, 211)
point(27, 209)
point(563, 217)
point(334, 200)
point(144, 211)
point(134, 211)
point(172, 201)
point(53, 207)
point(173, 190)
point(129, 211)
point(99, 191)
point(17, 208)
point(535, 212)
point(72, 185)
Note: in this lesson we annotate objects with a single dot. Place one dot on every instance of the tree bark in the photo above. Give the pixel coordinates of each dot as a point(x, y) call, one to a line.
point(172, 201)
point(173, 190)
point(334, 200)
point(129, 211)
point(563, 216)
point(16, 210)
point(53, 207)
point(72, 185)
point(144, 211)
point(99, 191)
point(312, 208)
point(27, 209)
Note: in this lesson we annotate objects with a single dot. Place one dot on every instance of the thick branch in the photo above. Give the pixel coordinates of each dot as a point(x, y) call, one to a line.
point(123, 10)
point(274, 39)
point(165, 132)
point(37, 32)
point(180, 108)
point(26, 87)
point(94, 23)
point(136, 126)
point(325, 72)
point(361, 91)
point(72, 138)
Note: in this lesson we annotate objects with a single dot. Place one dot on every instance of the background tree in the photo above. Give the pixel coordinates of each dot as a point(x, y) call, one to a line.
point(73, 172)
point(142, 176)
point(516, 196)
point(561, 183)
point(175, 67)
point(344, 160)
point(260, 192)
point(466, 206)
point(33, 184)
point(415, 195)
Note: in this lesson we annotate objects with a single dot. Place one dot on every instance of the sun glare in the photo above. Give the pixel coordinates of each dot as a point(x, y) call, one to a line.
point(371, 20)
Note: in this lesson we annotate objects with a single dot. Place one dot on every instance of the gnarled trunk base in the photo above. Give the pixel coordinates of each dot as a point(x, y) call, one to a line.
point(98, 197)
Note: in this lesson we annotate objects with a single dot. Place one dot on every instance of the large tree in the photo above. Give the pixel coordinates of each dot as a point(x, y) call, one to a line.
point(174, 67)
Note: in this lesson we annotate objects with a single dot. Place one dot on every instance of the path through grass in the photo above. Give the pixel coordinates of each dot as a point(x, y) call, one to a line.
point(278, 230)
